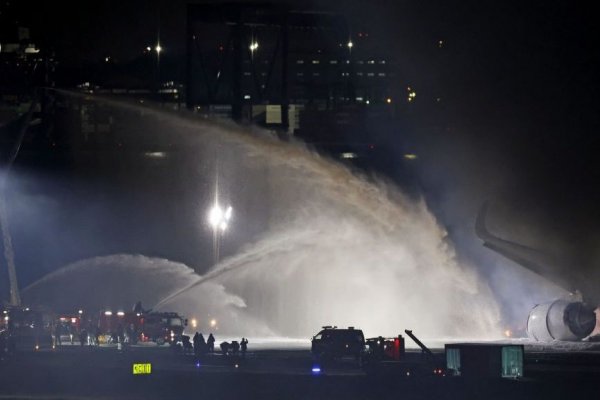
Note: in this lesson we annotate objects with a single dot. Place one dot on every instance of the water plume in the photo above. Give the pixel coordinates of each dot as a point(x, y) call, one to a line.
point(338, 248)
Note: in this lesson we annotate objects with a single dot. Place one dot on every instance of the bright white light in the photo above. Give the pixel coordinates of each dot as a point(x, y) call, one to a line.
point(350, 44)
point(213, 323)
point(107, 313)
point(148, 48)
point(348, 155)
point(215, 216)
point(219, 218)
point(253, 46)
point(194, 323)
point(80, 311)
point(158, 48)
point(120, 313)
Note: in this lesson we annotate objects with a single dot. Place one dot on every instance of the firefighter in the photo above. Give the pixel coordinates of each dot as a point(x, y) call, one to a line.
point(57, 332)
point(196, 342)
point(83, 336)
point(244, 347)
point(210, 343)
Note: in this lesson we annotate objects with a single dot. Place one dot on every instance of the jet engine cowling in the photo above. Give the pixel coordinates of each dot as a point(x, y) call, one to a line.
point(560, 320)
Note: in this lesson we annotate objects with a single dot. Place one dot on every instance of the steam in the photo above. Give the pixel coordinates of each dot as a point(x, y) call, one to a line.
point(338, 249)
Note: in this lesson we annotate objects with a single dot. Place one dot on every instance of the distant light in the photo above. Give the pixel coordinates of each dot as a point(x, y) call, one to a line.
point(158, 48)
point(316, 370)
point(80, 312)
point(120, 313)
point(6, 318)
point(388, 100)
point(410, 156)
point(253, 46)
point(194, 323)
point(155, 154)
point(73, 320)
point(367, 102)
point(213, 323)
point(106, 59)
point(350, 44)
point(348, 155)
point(108, 313)
point(440, 43)
point(237, 365)
point(148, 48)
point(411, 95)
point(247, 97)
point(198, 364)
point(37, 346)
point(508, 333)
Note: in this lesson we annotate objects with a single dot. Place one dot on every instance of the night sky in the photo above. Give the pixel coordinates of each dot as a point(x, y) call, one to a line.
point(518, 80)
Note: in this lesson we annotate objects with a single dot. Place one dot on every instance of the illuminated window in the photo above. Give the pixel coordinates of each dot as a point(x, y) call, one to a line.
point(333, 62)
point(299, 61)
point(370, 74)
point(371, 62)
point(315, 61)
point(381, 74)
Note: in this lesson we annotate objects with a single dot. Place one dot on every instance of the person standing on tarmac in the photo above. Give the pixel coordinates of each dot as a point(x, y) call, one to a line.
point(196, 344)
point(57, 332)
point(244, 347)
point(210, 343)
point(83, 337)
point(202, 344)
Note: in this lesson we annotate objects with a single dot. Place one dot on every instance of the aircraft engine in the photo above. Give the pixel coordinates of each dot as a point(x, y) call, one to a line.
point(560, 320)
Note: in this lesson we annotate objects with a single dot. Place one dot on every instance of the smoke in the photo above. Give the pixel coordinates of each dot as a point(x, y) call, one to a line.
point(335, 247)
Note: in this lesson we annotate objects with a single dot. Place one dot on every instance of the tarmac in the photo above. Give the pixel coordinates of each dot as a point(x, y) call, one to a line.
point(89, 372)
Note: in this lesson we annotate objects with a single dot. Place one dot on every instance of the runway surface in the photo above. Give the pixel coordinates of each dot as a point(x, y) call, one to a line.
point(74, 372)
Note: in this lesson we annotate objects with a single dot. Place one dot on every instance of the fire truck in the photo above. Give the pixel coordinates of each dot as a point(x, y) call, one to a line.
point(24, 328)
point(158, 327)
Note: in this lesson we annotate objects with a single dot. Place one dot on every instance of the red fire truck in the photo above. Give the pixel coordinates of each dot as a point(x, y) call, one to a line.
point(158, 327)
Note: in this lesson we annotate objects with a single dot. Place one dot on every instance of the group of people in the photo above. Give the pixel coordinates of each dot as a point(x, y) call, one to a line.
point(202, 346)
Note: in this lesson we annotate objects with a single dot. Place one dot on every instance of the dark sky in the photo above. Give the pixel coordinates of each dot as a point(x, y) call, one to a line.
point(518, 81)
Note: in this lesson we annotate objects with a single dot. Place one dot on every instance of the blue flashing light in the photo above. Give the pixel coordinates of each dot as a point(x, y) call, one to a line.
point(316, 370)
point(198, 364)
